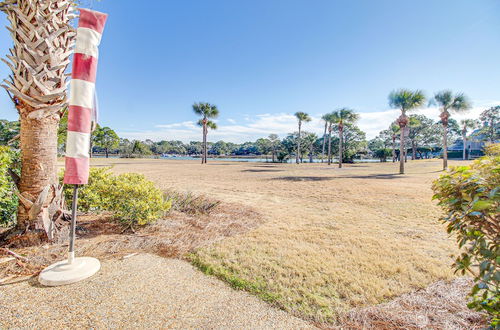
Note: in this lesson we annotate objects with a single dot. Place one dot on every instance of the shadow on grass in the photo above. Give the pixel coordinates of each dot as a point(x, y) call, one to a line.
point(328, 178)
point(259, 170)
point(266, 166)
point(303, 178)
point(218, 164)
point(371, 176)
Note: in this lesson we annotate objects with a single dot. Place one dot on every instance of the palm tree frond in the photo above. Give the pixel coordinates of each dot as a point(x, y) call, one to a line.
point(211, 124)
point(302, 116)
point(406, 100)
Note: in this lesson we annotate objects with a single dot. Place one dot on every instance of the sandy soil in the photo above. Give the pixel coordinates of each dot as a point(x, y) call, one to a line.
point(333, 239)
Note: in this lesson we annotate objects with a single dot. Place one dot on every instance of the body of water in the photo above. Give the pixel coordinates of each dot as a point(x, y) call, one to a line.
point(236, 159)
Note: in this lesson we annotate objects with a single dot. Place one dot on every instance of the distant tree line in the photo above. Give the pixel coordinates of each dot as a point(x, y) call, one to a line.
point(424, 139)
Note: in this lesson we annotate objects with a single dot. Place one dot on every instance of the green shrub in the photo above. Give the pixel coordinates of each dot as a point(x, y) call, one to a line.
point(135, 200)
point(131, 198)
point(470, 195)
point(8, 200)
point(383, 154)
point(92, 197)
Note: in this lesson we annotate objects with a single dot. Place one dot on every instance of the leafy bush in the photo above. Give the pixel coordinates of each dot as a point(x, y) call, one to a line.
point(470, 195)
point(135, 200)
point(382, 154)
point(94, 196)
point(8, 200)
point(131, 198)
point(191, 203)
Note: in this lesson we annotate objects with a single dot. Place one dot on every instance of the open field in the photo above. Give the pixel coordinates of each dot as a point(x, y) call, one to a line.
point(332, 239)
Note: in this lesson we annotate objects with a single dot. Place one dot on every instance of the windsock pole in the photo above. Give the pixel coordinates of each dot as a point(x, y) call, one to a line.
point(72, 233)
point(81, 105)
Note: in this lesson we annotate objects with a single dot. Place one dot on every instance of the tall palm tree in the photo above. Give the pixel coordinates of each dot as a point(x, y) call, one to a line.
point(42, 40)
point(206, 124)
point(405, 100)
point(206, 111)
point(301, 117)
point(324, 118)
point(466, 125)
point(448, 103)
point(340, 118)
point(395, 130)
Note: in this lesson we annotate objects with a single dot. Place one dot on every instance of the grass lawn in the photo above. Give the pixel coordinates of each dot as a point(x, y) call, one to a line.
point(333, 239)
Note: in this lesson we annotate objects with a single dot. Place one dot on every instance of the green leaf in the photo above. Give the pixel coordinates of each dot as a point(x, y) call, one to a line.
point(482, 205)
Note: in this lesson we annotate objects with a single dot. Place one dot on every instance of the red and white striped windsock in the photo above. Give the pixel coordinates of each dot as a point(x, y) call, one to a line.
point(81, 101)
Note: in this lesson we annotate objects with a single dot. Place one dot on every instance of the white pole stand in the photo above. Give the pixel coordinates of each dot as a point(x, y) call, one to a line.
point(73, 269)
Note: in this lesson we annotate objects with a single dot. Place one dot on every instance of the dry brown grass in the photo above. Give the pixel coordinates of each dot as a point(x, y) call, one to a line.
point(174, 236)
point(439, 306)
point(330, 241)
point(334, 239)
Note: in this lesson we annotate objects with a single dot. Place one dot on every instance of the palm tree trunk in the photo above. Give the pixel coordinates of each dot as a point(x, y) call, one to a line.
point(330, 146)
point(297, 156)
point(445, 147)
point(324, 142)
point(341, 137)
point(41, 200)
point(464, 156)
point(273, 153)
point(106, 151)
point(393, 148)
point(402, 152)
point(413, 151)
point(311, 153)
point(204, 144)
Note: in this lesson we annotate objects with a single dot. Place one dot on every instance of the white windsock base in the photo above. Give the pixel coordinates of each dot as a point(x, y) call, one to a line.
point(62, 272)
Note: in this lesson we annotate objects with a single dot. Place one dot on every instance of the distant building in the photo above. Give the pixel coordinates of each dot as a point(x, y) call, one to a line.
point(475, 146)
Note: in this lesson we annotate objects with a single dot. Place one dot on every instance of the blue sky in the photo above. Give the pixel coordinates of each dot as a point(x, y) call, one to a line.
point(262, 60)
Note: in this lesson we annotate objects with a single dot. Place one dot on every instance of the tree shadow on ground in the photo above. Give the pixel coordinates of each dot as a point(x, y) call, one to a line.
point(371, 176)
point(328, 178)
point(303, 178)
point(265, 166)
point(217, 164)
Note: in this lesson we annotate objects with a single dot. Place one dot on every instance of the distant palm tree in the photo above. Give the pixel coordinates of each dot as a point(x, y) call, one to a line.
point(324, 118)
point(405, 100)
point(447, 103)
point(466, 125)
point(301, 117)
point(329, 119)
point(341, 117)
point(395, 130)
point(206, 110)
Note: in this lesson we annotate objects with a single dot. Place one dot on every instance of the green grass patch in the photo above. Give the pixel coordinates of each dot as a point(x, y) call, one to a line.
point(257, 288)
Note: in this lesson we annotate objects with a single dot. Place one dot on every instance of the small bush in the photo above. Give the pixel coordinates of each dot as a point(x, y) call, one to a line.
point(383, 154)
point(9, 159)
point(135, 200)
point(470, 195)
point(131, 198)
point(94, 196)
point(191, 203)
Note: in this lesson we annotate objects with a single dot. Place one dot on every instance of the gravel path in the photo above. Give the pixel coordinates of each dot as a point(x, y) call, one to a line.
point(143, 291)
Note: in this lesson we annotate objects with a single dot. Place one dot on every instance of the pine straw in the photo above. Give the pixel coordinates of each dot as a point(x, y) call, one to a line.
point(99, 236)
point(442, 305)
